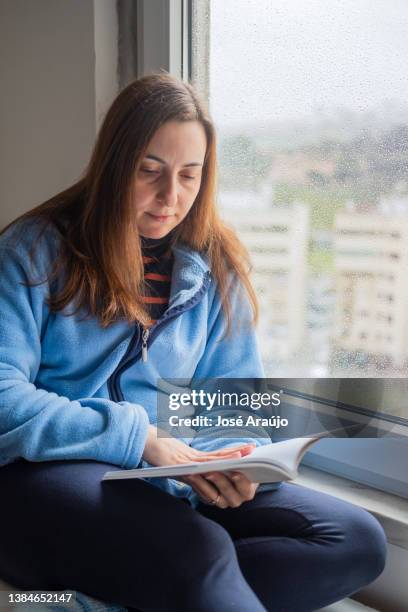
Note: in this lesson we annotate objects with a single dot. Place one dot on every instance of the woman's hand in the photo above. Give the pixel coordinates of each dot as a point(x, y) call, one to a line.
point(231, 488)
point(170, 451)
point(228, 489)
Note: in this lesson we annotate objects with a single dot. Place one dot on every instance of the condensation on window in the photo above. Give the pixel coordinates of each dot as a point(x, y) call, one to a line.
point(310, 100)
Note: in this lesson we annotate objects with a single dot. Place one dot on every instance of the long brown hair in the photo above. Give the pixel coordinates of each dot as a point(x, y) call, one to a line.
point(101, 252)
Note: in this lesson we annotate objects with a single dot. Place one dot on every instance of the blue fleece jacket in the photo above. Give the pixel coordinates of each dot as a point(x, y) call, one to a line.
point(70, 389)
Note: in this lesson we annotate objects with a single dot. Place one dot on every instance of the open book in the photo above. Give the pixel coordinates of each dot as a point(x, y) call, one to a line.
point(269, 463)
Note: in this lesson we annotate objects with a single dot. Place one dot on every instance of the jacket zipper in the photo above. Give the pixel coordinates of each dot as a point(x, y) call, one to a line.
point(137, 350)
point(145, 337)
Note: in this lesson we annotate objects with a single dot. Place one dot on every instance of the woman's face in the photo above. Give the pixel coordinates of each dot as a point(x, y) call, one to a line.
point(169, 177)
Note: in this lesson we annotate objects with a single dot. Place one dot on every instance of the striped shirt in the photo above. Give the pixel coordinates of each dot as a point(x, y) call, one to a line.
point(158, 265)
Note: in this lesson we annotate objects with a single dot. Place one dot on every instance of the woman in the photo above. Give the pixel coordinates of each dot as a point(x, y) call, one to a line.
point(126, 277)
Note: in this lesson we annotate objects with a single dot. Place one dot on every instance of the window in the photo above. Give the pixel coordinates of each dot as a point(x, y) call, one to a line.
point(312, 117)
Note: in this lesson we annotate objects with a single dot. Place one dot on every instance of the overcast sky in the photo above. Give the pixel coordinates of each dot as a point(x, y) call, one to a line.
point(281, 59)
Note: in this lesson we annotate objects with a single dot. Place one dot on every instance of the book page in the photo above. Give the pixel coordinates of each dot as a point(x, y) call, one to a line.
point(268, 463)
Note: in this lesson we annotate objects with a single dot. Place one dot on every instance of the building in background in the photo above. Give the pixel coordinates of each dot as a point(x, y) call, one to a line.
point(277, 240)
point(371, 261)
point(299, 167)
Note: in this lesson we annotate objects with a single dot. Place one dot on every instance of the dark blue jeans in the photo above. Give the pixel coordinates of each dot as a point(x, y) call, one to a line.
point(128, 542)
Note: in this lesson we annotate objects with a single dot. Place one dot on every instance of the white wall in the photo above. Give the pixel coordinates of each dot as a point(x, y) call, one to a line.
point(54, 91)
point(106, 56)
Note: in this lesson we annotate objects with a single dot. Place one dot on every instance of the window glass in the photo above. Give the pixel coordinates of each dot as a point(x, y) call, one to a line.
point(310, 100)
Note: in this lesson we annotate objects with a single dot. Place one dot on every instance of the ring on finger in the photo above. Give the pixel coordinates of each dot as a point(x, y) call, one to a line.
point(215, 501)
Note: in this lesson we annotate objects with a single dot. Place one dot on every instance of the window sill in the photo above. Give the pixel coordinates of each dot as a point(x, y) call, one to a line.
point(390, 510)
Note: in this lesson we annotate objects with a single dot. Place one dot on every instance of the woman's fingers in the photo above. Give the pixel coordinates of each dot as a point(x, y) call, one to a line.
point(244, 486)
point(234, 488)
point(206, 491)
point(236, 451)
point(227, 489)
point(232, 455)
point(239, 447)
point(247, 450)
point(194, 455)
